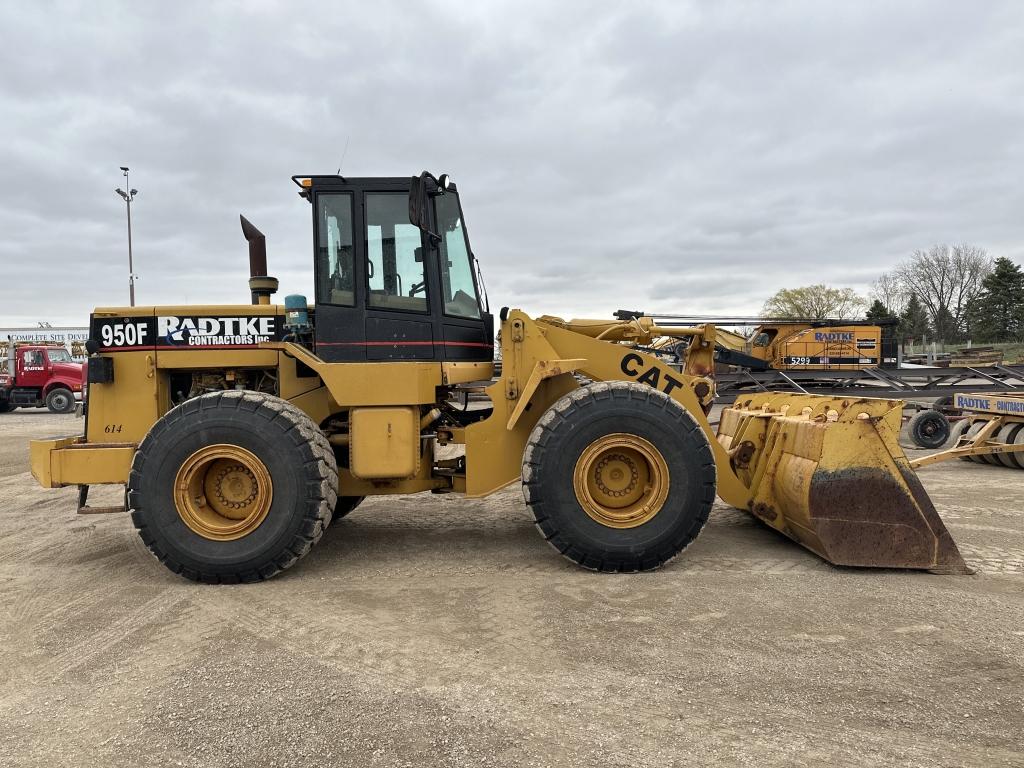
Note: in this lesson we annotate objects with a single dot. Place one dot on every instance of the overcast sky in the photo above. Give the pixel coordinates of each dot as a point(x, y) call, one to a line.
point(689, 157)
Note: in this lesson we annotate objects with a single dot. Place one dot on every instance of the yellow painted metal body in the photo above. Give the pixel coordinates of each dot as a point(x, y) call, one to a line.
point(494, 450)
point(73, 461)
point(384, 442)
point(124, 411)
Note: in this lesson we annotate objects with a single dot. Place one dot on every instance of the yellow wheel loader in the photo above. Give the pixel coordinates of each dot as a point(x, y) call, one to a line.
point(241, 431)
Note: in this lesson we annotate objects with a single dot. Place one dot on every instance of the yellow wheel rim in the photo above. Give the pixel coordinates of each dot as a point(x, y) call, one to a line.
point(223, 492)
point(621, 480)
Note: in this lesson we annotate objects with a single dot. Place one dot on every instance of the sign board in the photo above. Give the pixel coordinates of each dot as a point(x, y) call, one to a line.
point(119, 334)
point(72, 338)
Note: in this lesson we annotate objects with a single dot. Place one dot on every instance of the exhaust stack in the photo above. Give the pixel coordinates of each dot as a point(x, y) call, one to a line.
point(260, 284)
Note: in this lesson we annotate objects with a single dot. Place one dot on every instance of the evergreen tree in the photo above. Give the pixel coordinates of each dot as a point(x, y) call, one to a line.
point(945, 326)
point(877, 311)
point(914, 321)
point(998, 313)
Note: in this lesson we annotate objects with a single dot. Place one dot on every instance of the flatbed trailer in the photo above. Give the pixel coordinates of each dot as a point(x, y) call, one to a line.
point(904, 383)
point(990, 431)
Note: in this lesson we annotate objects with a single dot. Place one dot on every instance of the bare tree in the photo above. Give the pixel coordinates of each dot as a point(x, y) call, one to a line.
point(946, 279)
point(889, 290)
point(814, 302)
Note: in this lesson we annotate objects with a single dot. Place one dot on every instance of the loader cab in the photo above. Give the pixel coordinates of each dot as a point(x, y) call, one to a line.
point(388, 288)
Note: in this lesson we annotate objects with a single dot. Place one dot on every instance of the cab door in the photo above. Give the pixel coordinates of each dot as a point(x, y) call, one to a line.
point(33, 368)
point(399, 323)
point(339, 316)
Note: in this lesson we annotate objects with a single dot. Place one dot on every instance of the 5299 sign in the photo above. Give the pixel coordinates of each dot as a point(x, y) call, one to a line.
point(118, 333)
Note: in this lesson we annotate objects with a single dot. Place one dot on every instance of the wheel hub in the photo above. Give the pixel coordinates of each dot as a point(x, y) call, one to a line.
point(621, 480)
point(234, 486)
point(223, 492)
point(616, 475)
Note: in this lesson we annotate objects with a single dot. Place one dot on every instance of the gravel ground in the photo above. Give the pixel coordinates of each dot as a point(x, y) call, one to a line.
point(437, 631)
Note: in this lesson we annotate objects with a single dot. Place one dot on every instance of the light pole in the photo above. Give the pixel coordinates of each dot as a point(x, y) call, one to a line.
point(128, 197)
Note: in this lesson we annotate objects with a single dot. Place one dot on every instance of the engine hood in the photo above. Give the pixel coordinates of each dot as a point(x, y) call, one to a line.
point(68, 370)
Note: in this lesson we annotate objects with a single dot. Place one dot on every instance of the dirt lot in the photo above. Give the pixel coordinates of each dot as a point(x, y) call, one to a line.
point(432, 631)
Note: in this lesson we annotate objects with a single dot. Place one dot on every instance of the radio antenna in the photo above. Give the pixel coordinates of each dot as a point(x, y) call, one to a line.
point(343, 153)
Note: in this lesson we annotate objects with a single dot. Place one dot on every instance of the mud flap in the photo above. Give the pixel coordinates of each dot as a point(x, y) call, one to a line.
point(830, 474)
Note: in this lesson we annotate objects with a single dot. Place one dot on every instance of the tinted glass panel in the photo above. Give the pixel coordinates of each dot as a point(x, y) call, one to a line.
point(457, 286)
point(393, 254)
point(334, 268)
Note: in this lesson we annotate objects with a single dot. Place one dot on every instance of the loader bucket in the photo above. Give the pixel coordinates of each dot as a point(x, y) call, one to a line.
point(830, 474)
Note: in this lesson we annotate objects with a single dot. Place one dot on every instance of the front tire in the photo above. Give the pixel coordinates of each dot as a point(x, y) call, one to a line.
point(232, 486)
point(60, 400)
point(619, 477)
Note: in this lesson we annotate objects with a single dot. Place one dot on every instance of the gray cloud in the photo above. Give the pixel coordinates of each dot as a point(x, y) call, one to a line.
point(670, 156)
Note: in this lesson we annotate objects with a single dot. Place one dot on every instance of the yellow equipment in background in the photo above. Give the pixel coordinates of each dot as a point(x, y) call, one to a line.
point(823, 345)
point(241, 431)
point(790, 344)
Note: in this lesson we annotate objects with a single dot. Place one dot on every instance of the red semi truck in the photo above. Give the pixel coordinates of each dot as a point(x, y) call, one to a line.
point(33, 375)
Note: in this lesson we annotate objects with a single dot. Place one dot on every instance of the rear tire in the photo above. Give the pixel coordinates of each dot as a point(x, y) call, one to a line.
point(5, 406)
point(232, 486)
point(929, 429)
point(60, 400)
point(345, 505)
point(619, 477)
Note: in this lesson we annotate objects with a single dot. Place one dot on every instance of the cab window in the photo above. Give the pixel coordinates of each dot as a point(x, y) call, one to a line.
point(33, 358)
point(335, 260)
point(394, 254)
point(58, 355)
point(457, 287)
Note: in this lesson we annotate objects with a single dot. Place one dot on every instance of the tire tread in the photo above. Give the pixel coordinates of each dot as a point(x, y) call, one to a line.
point(319, 465)
point(572, 406)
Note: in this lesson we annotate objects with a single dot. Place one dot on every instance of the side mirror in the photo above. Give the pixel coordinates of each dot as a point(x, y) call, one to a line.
point(418, 201)
point(419, 214)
